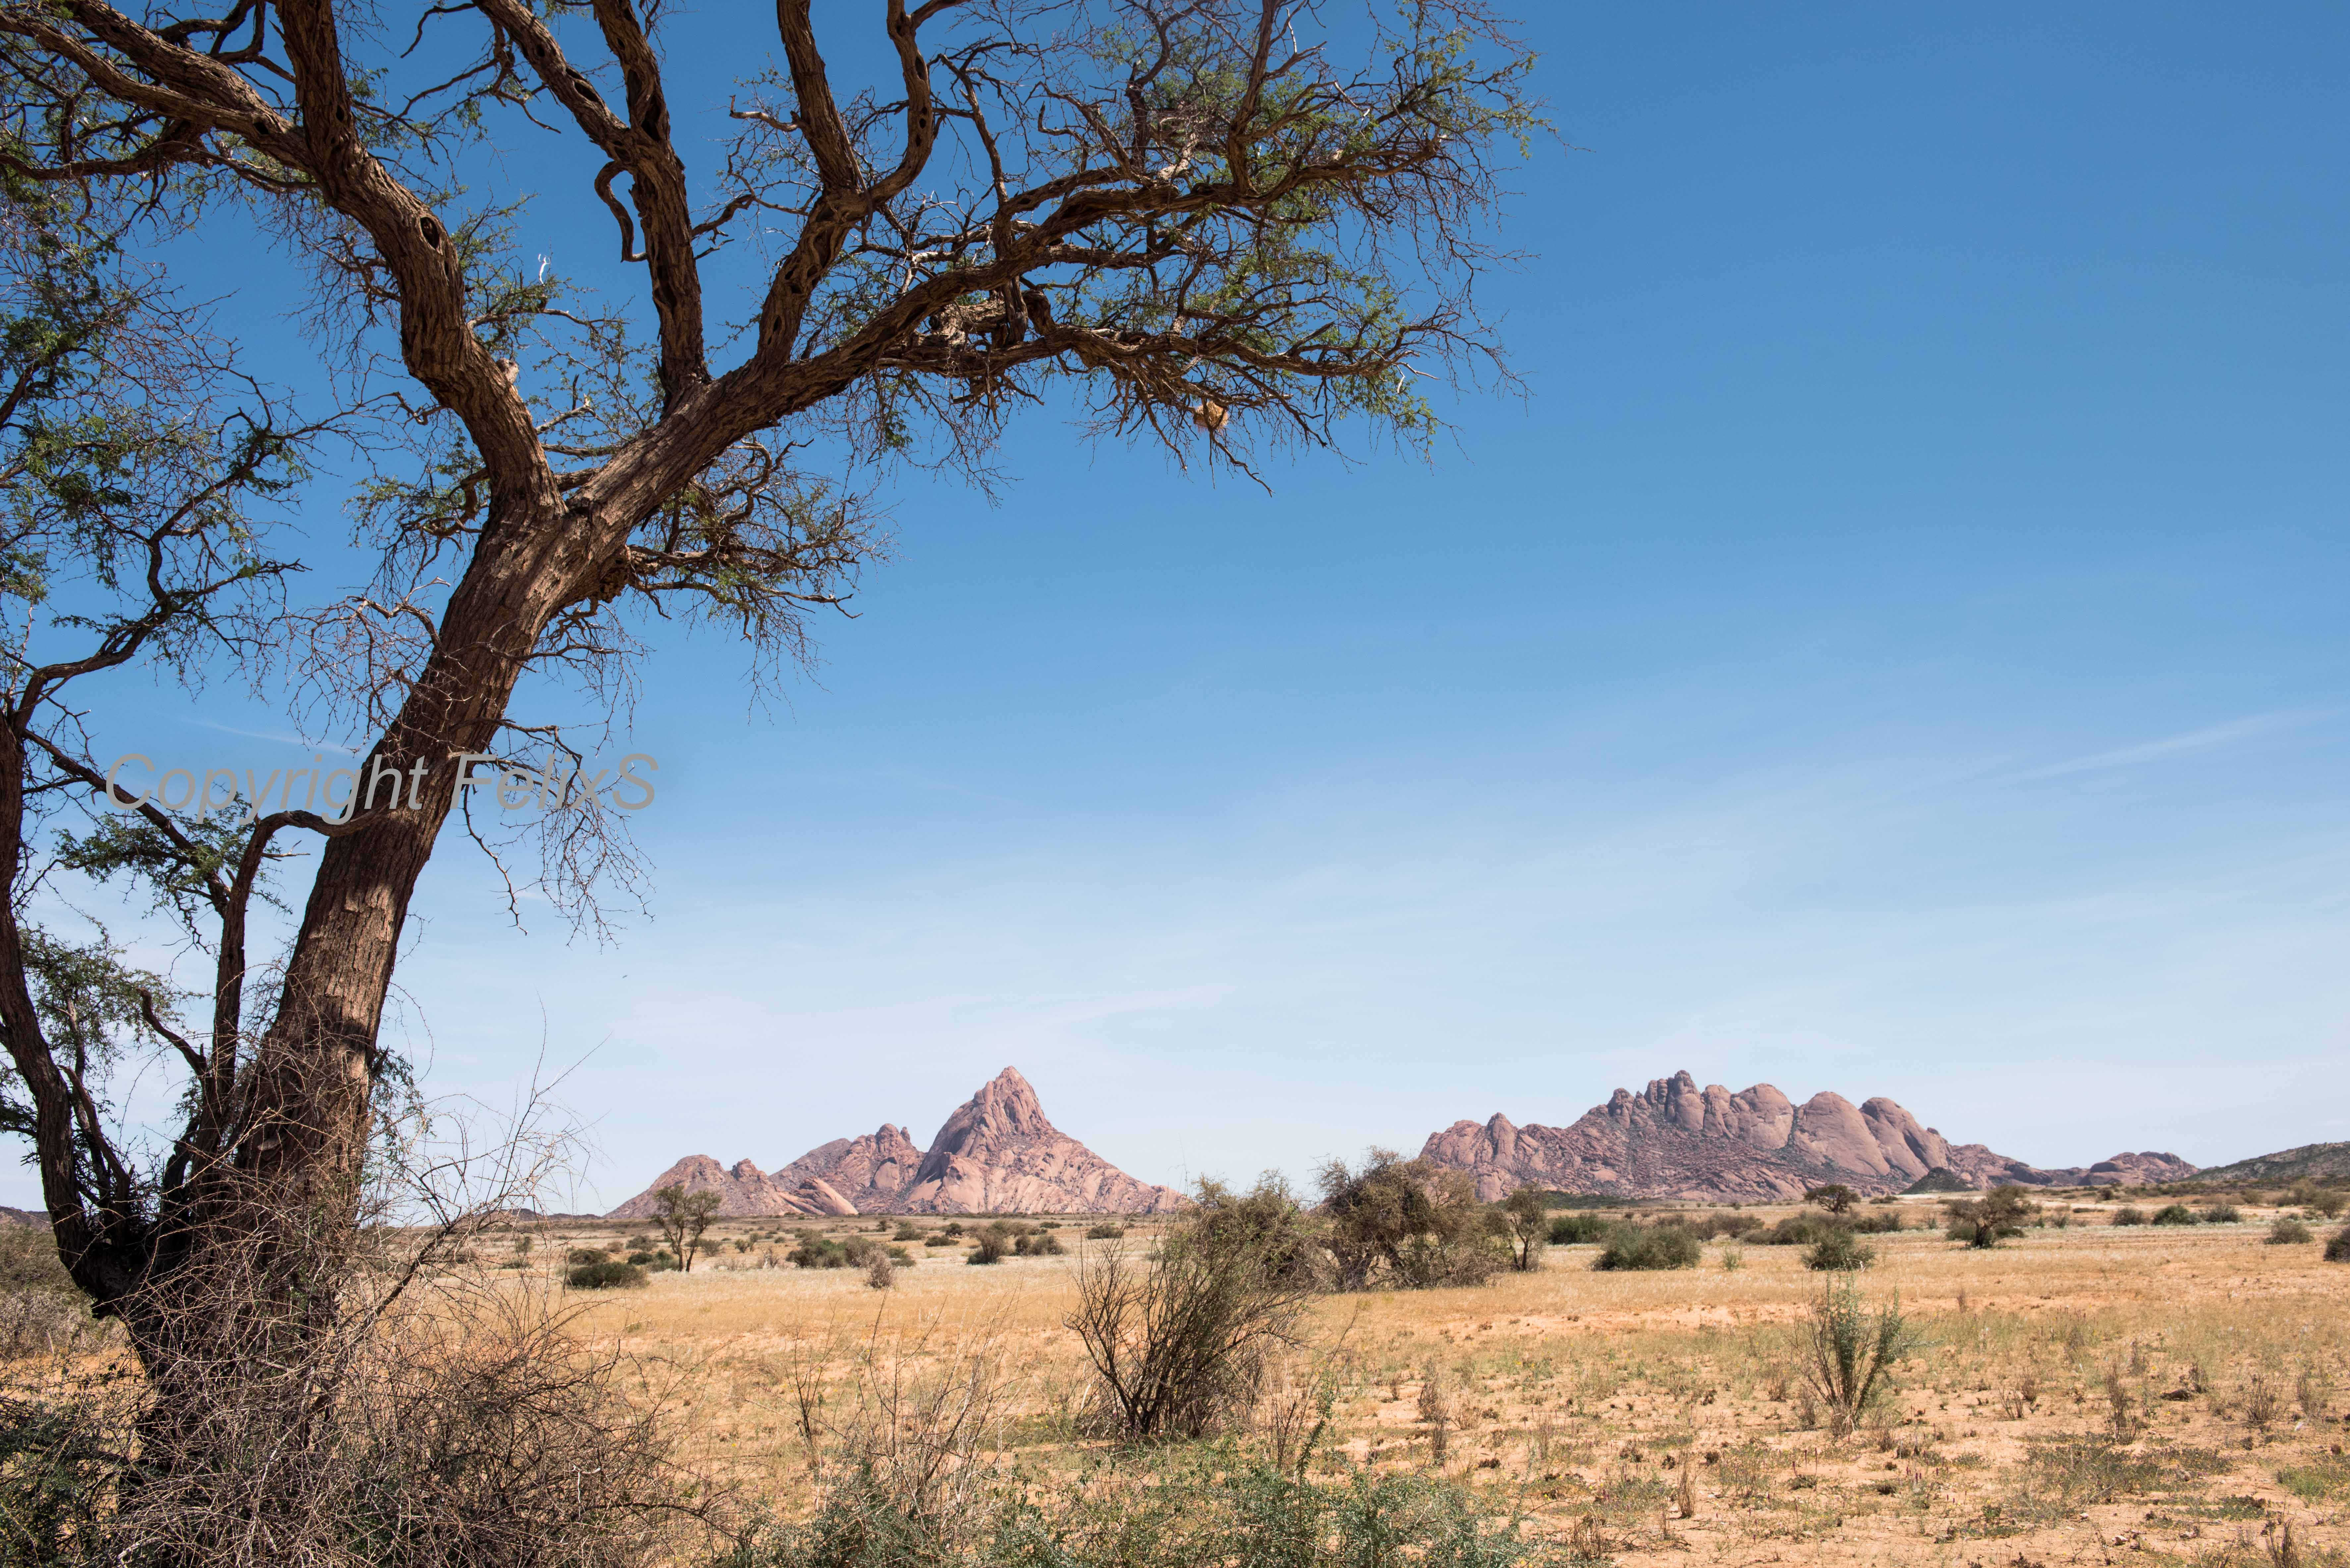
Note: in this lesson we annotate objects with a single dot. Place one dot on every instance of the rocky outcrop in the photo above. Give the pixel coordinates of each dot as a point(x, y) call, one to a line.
point(744, 1190)
point(1675, 1140)
point(997, 1154)
point(2310, 1162)
point(866, 1172)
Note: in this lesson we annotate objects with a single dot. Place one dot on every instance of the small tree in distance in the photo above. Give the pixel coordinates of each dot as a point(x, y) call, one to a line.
point(1835, 1196)
point(1987, 1221)
point(1529, 1220)
point(683, 1217)
point(1404, 1224)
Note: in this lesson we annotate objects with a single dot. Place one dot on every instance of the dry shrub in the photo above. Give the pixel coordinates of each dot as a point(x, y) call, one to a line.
point(41, 1313)
point(2119, 1412)
point(321, 1396)
point(1851, 1353)
point(2259, 1402)
point(1296, 1396)
point(914, 1416)
point(1407, 1224)
point(1179, 1340)
point(1436, 1412)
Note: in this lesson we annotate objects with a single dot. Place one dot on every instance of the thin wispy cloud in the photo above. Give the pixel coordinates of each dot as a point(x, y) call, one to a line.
point(276, 737)
point(2210, 738)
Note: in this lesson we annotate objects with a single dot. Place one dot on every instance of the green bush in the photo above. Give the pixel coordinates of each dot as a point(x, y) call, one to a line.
point(818, 1253)
point(851, 1252)
point(1105, 1232)
point(1649, 1247)
point(2221, 1214)
point(2289, 1234)
point(1038, 1245)
point(1987, 1221)
point(2337, 1250)
point(1574, 1229)
point(605, 1274)
point(1839, 1249)
point(2127, 1215)
point(990, 1243)
point(1191, 1514)
point(2174, 1214)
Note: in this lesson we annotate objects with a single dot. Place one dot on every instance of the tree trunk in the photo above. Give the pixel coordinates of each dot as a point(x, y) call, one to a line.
point(309, 1102)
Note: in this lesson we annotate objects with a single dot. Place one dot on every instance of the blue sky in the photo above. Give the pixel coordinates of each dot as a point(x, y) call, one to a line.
point(1894, 645)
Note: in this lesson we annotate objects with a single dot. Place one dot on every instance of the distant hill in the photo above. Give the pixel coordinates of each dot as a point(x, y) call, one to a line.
point(1676, 1140)
point(2310, 1162)
point(996, 1155)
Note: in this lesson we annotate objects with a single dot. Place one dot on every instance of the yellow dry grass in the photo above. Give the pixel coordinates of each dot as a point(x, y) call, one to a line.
point(1667, 1406)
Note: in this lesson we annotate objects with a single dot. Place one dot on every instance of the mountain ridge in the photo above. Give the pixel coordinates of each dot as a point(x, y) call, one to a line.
point(1675, 1140)
point(996, 1152)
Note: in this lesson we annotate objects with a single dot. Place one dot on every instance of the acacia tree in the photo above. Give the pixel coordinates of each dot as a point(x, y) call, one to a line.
point(683, 1217)
point(1190, 221)
point(1529, 1221)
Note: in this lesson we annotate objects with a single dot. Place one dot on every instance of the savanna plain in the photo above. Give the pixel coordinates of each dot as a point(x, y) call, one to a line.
point(2082, 1392)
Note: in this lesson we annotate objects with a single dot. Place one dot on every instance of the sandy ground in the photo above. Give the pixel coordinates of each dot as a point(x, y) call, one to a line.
point(2087, 1394)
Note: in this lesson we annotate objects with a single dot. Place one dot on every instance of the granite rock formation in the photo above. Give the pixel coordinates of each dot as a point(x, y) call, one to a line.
point(997, 1154)
point(742, 1189)
point(2310, 1162)
point(866, 1172)
point(1676, 1140)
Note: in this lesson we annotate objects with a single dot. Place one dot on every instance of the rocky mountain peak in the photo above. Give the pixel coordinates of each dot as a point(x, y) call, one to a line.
point(1675, 1140)
point(997, 1153)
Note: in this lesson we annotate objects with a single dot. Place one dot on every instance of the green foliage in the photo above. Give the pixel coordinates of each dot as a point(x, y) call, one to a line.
point(1104, 1231)
point(1838, 1248)
point(683, 1217)
point(1649, 1247)
point(820, 1251)
point(1528, 1219)
point(2129, 1214)
point(1406, 1224)
point(582, 1255)
point(1835, 1196)
point(58, 1470)
point(1853, 1352)
point(1987, 1221)
point(2289, 1234)
point(1195, 1511)
point(1576, 1230)
point(2222, 1214)
point(2175, 1214)
point(604, 1275)
point(2337, 1247)
point(988, 1245)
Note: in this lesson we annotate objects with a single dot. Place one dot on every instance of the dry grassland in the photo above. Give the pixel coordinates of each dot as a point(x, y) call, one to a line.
point(2087, 1395)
